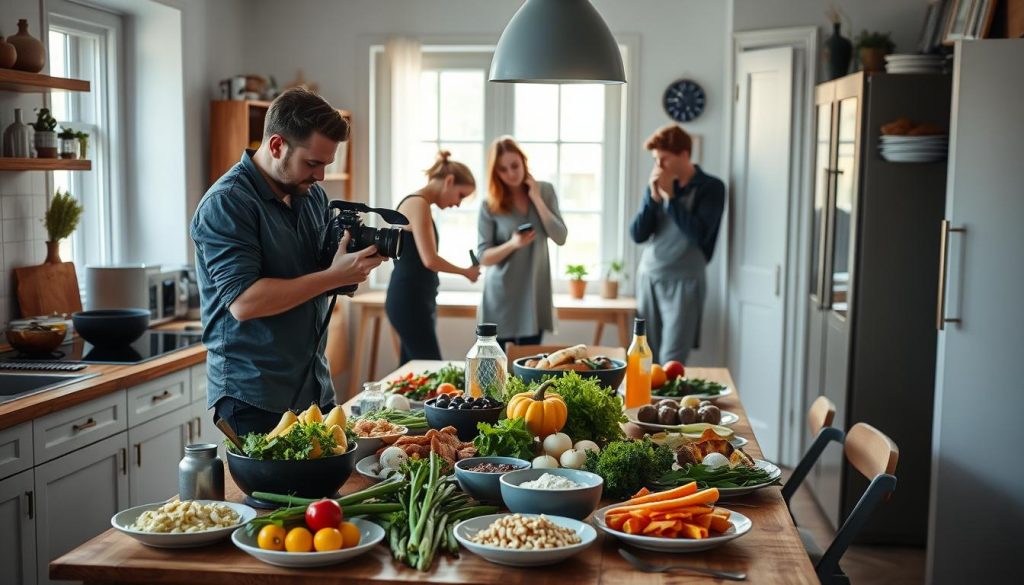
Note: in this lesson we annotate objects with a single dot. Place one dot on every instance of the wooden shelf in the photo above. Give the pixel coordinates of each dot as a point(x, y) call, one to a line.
point(337, 177)
point(25, 82)
point(44, 164)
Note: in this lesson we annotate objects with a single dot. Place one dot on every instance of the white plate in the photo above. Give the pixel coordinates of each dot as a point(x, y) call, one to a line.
point(369, 468)
point(124, 519)
point(931, 147)
point(914, 157)
point(768, 466)
point(901, 139)
point(728, 418)
point(740, 526)
point(735, 440)
point(370, 535)
point(523, 558)
point(656, 399)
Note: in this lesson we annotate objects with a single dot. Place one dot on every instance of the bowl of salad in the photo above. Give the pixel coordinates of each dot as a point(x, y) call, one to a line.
point(418, 388)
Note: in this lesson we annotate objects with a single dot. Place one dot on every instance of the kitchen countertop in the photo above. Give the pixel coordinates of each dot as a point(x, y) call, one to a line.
point(109, 378)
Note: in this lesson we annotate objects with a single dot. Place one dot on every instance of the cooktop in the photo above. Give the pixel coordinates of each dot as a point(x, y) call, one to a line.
point(151, 345)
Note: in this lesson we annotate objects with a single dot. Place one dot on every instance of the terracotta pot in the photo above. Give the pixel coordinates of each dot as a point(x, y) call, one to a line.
point(609, 289)
point(577, 288)
point(46, 144)
point(8, 54)
point(52, 253)
point(31, 52)
point(872, 60)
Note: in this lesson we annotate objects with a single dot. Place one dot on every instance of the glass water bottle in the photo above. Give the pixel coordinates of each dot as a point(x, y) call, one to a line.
point(486, 364)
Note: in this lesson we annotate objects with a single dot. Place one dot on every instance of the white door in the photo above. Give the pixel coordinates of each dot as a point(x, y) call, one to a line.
point(976, 501)
point(761, 191)
point(18, 529)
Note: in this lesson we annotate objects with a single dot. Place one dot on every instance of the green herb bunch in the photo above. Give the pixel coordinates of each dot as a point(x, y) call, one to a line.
point(576, 271)
point(508, 438)
point(62, 216)
point(595, 413)
point(45, 122)
point(296, 445)
point(627, 466)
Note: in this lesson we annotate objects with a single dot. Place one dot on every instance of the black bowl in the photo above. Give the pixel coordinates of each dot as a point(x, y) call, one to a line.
point(111, 327)
point(311, 478)
point(611, 378)
point(464, 421)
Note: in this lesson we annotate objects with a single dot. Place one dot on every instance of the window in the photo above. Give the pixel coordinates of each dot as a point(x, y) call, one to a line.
point(570, 133)
point(82, 45)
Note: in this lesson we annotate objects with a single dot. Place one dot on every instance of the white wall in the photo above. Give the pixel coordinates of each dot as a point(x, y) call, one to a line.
point(677, 38)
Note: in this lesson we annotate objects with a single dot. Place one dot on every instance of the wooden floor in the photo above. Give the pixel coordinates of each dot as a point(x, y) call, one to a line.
point(864, 565)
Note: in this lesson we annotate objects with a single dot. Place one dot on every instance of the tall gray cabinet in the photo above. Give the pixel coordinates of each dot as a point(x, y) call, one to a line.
point(871, 337)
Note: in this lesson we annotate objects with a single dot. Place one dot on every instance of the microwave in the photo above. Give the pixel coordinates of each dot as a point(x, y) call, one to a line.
point(164, 292)
point(168, 295)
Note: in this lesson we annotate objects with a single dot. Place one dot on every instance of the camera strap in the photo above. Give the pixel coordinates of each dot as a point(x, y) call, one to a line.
point(316, 353)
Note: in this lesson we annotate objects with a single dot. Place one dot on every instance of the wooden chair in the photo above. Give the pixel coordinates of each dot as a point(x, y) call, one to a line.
point(515, 352)
point(819, 421)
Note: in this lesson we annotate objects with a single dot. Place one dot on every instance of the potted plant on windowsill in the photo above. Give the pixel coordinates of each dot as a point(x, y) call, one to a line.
point(610, 284)
point(61, 219)
point(45, 138)
point(576, 274)
point(872, 47)
point(69, 144)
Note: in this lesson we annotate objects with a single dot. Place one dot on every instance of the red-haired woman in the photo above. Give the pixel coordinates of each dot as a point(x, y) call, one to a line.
point(517, 283)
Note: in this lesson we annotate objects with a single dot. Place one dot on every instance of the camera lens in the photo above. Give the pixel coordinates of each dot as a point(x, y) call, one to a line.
point(388, 242)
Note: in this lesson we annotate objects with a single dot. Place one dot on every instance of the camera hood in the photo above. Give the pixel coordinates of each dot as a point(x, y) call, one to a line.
point(389, 215)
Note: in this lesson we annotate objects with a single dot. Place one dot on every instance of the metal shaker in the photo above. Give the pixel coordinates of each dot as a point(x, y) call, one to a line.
point(201, 473)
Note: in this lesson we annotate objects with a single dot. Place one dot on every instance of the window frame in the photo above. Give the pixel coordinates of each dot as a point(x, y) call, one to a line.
point(499, 113)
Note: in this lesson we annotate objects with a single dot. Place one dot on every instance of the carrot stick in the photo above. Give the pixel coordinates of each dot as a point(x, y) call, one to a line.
point(683, 490)
point(691, 531)
point(719, 524)
point(708, 496)
point(643, 492)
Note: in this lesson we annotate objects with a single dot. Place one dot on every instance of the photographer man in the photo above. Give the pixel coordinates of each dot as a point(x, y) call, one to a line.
point(257, 233)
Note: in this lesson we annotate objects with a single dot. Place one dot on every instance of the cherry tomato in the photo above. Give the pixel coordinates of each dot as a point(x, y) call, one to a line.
point(349, 534)
point(298, 540)
point(271, 537)
point(323, 514)
point(327, 539)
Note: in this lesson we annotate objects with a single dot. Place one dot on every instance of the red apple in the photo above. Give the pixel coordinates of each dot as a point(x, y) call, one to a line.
point(674, 369)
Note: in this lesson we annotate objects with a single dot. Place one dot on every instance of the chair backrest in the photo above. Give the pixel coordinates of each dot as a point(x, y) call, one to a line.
point(870, 451)
point(821, 414)
point(515, 352)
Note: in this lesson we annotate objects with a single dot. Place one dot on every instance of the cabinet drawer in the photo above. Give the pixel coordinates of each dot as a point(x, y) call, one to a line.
point(199, 382)
point(66, 430)
point(157, 397)
point(15, 449)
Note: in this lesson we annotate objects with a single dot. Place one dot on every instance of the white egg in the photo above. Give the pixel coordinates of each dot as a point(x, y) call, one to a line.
point(393, 458)
point(556, 444)
point(573, 459)
point(586, 445)
point(545, 462)
point(714, 460)
point(397, 402)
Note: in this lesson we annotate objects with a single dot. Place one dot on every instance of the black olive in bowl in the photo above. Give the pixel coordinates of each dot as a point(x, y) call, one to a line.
point(462, 413)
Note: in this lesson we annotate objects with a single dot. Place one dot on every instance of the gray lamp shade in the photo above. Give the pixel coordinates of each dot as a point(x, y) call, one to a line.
point(557, 41)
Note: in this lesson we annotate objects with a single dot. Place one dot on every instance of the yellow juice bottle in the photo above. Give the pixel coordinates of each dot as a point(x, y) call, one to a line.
point(638, 367)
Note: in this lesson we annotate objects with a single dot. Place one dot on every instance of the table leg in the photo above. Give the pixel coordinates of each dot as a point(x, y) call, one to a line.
point(374, 342)
point(396, 343)
point(599, 331)
point(624, 329)
point(357, 363)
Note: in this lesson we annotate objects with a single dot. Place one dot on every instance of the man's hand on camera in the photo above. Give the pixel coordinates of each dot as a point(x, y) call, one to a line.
point(353, 267)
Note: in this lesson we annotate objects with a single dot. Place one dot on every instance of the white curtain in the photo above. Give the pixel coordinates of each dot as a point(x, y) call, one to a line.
point(405, 62)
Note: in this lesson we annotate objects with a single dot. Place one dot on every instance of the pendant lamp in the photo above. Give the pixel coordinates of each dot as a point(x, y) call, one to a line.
point(557, 41)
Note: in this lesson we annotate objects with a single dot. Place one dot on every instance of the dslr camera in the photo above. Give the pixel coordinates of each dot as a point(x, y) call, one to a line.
point(344, 215)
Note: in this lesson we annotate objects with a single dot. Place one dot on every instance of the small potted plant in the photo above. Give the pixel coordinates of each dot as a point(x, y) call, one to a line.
point(45, 137)
point(61, 219)
point(576, 274)
point(610, 284)
point(872, 47)
point(83, 144)
point(69, 145)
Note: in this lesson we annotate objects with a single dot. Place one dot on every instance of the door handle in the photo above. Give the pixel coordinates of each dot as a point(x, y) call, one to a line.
point(189, 424)
point(163, 396)
point(86, 425)
point(138, 454)
point(31, 504)
point(199, 426)
point(778, 279)
point(124, 461)
point(940, 310)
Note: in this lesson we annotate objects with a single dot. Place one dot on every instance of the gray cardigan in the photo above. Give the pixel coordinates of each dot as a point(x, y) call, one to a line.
point(517, 292)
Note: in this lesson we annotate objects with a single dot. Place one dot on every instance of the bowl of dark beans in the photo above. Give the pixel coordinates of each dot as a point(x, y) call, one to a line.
point(463, 413)
point(478, 476)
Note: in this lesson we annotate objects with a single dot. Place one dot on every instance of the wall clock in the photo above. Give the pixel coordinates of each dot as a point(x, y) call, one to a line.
point(683, 100)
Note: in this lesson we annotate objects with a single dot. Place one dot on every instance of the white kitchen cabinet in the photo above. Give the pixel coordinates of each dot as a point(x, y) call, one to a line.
point(154, 450)
point(199, 382)
point(16, 449)
point(75, 497)
point(17, 529)
point(158, 397)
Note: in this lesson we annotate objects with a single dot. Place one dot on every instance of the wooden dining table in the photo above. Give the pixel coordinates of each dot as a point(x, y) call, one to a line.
point(771, 552)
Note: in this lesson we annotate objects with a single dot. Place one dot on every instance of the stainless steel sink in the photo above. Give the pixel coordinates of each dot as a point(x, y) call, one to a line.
point(18, 385)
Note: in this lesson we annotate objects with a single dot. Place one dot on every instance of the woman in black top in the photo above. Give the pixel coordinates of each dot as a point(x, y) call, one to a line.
point(412, 292)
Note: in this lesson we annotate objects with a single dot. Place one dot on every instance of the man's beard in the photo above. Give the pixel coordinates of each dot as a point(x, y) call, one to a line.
point(294, 189)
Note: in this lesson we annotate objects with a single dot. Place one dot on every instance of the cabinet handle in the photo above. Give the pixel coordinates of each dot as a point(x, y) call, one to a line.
point(199, 426)
point(940, 310)
point(138, 454)
point(86, 425)
point(166, 394)
point(124, 461)
point(31, 504)
point(778, 279)
point(189, 431)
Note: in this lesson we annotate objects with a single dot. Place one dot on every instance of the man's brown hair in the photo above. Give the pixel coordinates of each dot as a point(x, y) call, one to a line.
point(671, 138)
point(298, 112)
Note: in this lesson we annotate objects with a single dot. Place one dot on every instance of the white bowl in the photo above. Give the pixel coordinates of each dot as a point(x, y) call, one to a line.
point(370, 535)
point(124, 519)
point(740, 526)
point(370, 468)
point(523, 558)
point(728, 419)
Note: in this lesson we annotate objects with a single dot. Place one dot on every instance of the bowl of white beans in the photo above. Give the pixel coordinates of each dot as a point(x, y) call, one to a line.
point(182, 524)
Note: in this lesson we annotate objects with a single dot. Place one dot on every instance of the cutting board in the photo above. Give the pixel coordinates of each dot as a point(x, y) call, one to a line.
point(48, 288)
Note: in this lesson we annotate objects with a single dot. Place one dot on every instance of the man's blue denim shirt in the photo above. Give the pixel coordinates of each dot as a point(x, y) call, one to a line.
point(242, 233)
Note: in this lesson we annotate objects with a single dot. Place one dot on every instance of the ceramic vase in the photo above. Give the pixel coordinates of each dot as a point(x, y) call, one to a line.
point(872, 60)
point(609, 289)
point(31, 52)
point(8, 54)
point(838, 50)
point(18, 138)
point(52, 253)
point(46, 144)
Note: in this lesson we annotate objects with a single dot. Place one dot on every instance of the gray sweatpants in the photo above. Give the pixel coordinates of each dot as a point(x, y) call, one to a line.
point(672, 307)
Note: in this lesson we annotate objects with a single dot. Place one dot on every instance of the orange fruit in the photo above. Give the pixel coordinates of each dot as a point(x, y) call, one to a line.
point(349, 534)
point(327, 539)
point(446, 388)
point(271, 537)
point(658, 377)
point(299, 539)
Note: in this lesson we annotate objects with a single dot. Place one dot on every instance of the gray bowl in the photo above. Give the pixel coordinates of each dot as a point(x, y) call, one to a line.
point(484, 486)
point(575, 503)
point(611, 378)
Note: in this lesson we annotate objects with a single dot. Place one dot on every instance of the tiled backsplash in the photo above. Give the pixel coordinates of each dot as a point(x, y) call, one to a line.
point(22, 234)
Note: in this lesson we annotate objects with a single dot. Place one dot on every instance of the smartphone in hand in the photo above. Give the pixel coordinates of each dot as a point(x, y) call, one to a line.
point(526, 227)
point(473, 258)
